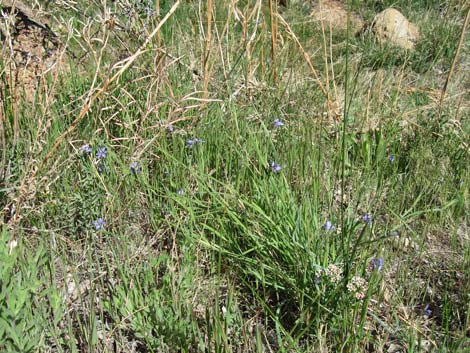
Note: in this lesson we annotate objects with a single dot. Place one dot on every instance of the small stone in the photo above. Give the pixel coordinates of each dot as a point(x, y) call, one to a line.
point(390, 26)
point(394, 348)
point(387, 295)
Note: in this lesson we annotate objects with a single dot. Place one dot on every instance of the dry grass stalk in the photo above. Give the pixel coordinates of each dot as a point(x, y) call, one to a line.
point(452, 67)
point(325, 54)
point(256, 11)
point(220, 37)
point(273, 19)
point(207, 50)
point(309, 62)
point(157, 9)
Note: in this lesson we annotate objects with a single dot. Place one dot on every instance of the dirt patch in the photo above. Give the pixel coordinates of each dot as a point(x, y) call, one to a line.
point(334, 15)
point(30, 50)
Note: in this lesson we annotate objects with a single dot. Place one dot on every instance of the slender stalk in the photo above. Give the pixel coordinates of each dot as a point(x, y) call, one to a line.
point(273, 39)
point(157, 10)
point(343, 140)
point(452, 67)
point(208, 47)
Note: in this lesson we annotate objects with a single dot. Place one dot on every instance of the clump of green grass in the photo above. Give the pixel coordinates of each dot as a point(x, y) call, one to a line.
point(26, 324)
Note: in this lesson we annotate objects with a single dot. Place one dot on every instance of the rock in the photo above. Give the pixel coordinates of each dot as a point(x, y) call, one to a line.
point(394, 348)
point(334, 15)
point(30, 49)
point(390, 26)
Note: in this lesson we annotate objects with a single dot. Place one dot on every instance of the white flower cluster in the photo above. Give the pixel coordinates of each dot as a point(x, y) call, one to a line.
point(334, 273)
point(358, 286)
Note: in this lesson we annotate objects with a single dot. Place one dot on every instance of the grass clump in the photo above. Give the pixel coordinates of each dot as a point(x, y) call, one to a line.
point(26, 324)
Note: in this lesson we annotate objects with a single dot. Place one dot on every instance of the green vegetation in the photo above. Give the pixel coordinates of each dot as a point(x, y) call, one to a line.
point(256, 217)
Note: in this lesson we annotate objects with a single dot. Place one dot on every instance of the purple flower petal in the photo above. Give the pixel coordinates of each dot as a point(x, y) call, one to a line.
point(101, 153)
point(192, 142)
point(86, 148)
point(99, 224)
point(328, 226)
point(275, 167)
point(278, 123)
point(135, 168)
point(378, 264)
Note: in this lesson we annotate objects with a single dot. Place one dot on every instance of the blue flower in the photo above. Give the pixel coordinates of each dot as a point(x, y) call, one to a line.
point(427, 311)
point(86, 148)
point(100, 168)
point(134, 167)
point(99, 224)
point(171, 128)
point(101, 154)
point(278, 123)
point(391, 159)
point(378, 264)
point(367, 218)
point(328, 226)
point(192, 142)
point(276, 168)
point(180, 191)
